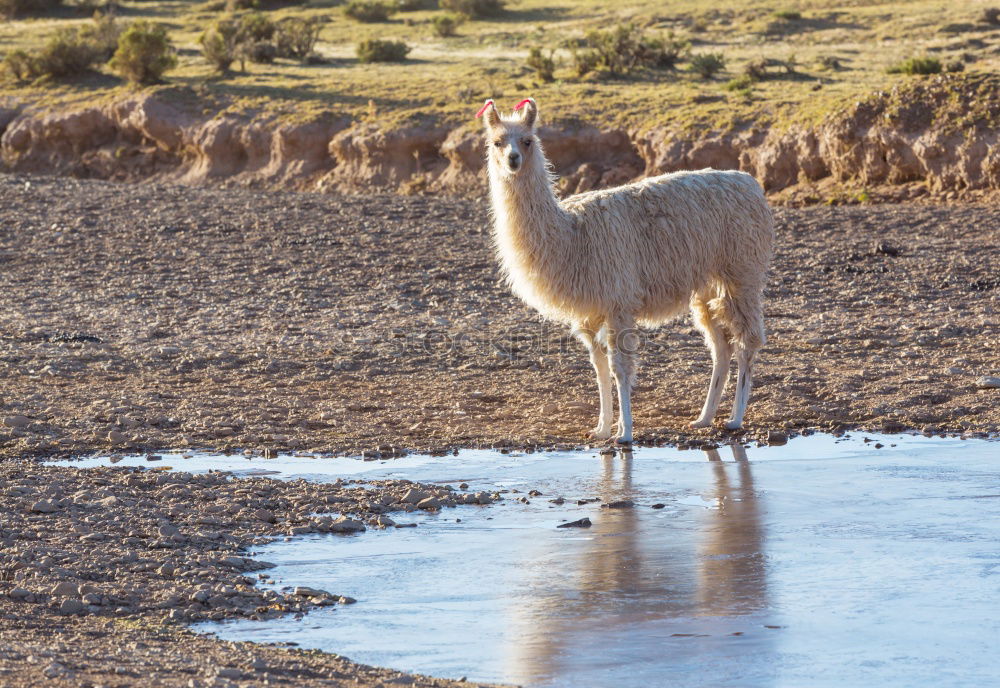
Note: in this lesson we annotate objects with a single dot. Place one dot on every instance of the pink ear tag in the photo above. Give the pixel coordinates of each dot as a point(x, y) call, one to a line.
point(522, 104)
point(483, 108)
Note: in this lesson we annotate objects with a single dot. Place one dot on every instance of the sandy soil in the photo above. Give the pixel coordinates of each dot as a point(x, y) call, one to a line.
point(151, 316)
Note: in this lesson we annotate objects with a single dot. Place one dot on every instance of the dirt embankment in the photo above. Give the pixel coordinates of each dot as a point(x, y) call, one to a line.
point(940, 132)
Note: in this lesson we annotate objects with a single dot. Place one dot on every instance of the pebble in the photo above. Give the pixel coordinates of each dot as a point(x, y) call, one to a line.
point(776, 438)
point(305, 591)
point(71, 607)
point(580, 523)
point(44, 506)
point(16, 421)
point(64, 588)
point(988, 382)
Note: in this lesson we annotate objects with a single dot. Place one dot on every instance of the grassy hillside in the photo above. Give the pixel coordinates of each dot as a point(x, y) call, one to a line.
point(820, 54)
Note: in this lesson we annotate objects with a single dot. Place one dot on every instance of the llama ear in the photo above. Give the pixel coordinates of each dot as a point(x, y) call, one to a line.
point(529, 114)
point(489, 114)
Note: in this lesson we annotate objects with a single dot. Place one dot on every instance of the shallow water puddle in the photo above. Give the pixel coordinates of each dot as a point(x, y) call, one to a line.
point(819, 563)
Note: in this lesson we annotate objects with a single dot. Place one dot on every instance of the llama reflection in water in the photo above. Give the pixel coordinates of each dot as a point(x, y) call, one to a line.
point(685, 578)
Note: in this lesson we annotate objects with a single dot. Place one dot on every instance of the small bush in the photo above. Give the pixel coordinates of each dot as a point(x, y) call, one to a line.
point(707, 65)
point(544, 66)
point(234, 5)
point(741, 83)
point(368, 10)
point(296, 38)
point(144, 53)
point(955, 66)
point(10, 9)
point(917, 65)
point(104, 33)
point(377, 50)
point(256, 27)
point(991, 15)
point(66, 54)
point(220, 44)
point(415, 5)
point(788, 15)
point(829, 62)
point(624, 49)
point(445, 25)
point(476, 9)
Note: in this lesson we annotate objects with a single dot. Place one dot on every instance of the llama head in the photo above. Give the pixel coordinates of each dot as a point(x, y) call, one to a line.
point(511, 143)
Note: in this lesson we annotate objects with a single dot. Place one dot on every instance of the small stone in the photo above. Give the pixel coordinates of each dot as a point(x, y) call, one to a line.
point(580, 523)
point(229, 672)
point(18, 593)
point(44, 506)
point(413, 496)
point(16, 421)
point(429, 503)
point(383, 521)
point(344, 599)
point(988, 382)
point(305, 591)
point(347, 525)
point(658, 506)
point(71, 607)
point(264, 515)
point(558, 501)
point(776, 438)
point(91, 598)
point(116, 437)
point(620, 504)
point(64, 589)
point(168, 530)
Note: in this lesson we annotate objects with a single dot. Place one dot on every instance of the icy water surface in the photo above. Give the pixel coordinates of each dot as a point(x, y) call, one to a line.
point(820, 563)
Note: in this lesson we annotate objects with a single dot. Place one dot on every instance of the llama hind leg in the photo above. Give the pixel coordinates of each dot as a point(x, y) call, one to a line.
point(592, 339)
point(622, 345)
point(722, 354)
point(746, 317)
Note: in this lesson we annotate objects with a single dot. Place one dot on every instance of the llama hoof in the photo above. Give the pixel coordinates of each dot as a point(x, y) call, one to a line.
point(734, 425)
point(700, 424)
point(600, 433)
point(624, 440)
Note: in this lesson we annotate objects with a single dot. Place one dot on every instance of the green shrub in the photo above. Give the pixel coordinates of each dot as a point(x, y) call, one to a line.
point(741, 83)
point(954, 66)
point(623, 49)
point(103, 33)
point(144, 53)
point(476, 9)
point(256, 27)
point(69, 52)
point(66, 54)
point(544, 66)
point(415, 5)
point(446, 24)
point(19, 65)
point(220, 44)
point(296, 38)
point(378, 50)
point(829, 62)
point(917, 65)
point(707, 65)
point(26, 8)
point(368, 10)
point(788, 15)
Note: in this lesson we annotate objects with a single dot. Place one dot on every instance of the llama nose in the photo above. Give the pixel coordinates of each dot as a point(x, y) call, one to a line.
point(515, 159)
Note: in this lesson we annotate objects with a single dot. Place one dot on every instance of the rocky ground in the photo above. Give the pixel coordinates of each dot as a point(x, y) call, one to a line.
point(153, 316)
point(99, 567)
point(148, 317)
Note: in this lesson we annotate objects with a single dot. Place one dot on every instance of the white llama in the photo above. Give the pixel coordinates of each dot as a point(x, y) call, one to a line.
point(604, 261)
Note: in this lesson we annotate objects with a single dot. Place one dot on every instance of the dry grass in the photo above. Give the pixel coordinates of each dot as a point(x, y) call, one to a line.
point(447, 78)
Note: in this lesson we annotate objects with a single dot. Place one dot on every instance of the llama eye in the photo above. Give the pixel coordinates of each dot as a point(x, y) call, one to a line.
point(498, 144)
point(527, 143)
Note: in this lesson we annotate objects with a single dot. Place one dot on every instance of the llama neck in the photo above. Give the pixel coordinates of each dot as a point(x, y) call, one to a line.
point(531, 226)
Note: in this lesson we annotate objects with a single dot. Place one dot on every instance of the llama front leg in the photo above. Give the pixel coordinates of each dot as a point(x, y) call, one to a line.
point(591, 339)
point(622, 346)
